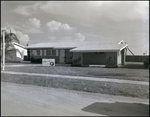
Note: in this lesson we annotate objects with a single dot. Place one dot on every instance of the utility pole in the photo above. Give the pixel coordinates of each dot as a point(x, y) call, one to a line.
point(3, 64)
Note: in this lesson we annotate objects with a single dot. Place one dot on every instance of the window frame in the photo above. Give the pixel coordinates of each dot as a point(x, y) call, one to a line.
point(48, 52)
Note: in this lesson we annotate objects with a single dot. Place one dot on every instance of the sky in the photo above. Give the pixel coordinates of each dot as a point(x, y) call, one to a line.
point(79, 21)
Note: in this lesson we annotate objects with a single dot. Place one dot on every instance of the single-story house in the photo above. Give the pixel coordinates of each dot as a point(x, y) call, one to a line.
point(16, 53)
point(82, 54)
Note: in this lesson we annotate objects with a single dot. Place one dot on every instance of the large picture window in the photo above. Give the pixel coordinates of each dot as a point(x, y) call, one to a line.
point(38, 52)
point(53, 52)
point(48, 52)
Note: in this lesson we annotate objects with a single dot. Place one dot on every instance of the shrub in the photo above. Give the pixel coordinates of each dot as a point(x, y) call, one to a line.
point(111, 63)
point(36, 60)
point(32, 60)
point(146, 63)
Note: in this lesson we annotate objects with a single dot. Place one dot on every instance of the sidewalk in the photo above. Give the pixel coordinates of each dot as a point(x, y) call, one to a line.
point(78, 77)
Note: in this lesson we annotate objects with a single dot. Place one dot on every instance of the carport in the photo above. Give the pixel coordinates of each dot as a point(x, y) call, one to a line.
point(95, 58)
point(99, 54)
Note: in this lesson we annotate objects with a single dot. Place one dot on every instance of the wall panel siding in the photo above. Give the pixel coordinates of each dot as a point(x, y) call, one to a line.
point(136, 58)
point(44, 52)
point(40, 52)
point(112, 56)
point(56, 52)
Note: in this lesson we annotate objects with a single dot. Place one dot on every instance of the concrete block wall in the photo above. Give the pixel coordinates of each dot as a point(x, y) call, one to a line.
point(113, 57)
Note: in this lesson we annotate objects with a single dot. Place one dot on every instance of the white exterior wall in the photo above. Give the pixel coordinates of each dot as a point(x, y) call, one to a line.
point(119, 57)
point(19, 57)
point(22, 50)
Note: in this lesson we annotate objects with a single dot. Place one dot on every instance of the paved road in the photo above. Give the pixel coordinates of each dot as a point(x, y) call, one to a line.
point(28, 100)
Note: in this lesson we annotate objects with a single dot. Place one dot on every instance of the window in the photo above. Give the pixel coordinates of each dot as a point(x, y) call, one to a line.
point(38, 52)
point(54, 52)
point(48, 52)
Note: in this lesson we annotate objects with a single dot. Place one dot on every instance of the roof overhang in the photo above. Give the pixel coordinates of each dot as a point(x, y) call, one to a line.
point(112, 50)
point(18, 44)
point(38, 47)
point(64, 47)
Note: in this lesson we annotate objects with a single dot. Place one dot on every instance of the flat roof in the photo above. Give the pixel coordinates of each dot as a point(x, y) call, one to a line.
point(101, 46)
point(55, 45)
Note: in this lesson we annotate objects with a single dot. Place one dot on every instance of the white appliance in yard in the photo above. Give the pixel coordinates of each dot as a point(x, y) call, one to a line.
point(48, 62)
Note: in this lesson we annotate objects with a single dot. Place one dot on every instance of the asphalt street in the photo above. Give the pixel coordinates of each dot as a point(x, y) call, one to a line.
point(28, 100)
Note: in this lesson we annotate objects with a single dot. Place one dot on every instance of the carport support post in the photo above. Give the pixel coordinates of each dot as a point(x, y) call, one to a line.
point(122, 57)
point(82, 59)
point(3, 65)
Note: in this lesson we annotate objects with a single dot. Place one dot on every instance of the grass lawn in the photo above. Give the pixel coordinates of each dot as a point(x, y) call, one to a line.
point(133, 90)
point(113, 73)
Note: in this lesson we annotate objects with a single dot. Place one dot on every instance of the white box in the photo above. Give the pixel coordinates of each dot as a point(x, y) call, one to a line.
point(48, 62)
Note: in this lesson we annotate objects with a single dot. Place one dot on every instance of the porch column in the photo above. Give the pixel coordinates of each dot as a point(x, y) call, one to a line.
point(122, 57)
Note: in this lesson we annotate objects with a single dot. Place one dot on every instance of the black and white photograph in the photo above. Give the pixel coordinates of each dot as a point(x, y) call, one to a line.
point(74, 58)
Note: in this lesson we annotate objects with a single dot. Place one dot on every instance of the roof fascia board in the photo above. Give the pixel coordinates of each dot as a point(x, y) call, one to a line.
point(39, 47)
point(64, 47)
point(18, 44)
point(124, 47)
point(94, 50)
point(120, 41)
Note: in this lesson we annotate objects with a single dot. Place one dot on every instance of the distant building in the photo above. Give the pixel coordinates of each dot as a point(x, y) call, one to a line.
point(82, 54)
point(17, 53)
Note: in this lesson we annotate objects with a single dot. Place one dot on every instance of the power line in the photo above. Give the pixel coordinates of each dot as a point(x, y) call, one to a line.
point(140, 45)
point(137, 39)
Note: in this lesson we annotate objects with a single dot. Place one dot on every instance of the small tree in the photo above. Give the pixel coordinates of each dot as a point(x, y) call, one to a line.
point(9, 38)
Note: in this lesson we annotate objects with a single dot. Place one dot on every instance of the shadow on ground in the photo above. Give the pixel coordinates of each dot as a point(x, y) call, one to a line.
point(118, 109)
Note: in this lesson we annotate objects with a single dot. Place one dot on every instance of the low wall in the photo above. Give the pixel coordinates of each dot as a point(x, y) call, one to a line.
point(136, 58)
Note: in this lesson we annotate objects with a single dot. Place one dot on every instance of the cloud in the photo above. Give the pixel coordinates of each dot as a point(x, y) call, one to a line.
point(79, 37)
point(52, 38)
point(33, 22)
point(32, 26)
point(63, 32)
point(56, 26)
point(23, 10)
point(90, 11)
point(23, 38)
point(53, 25)
point(65, 27)
point(76, 37)
point(27, 10)
point(127, 10)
